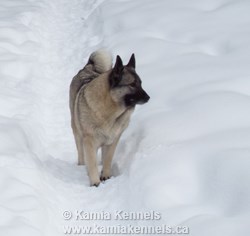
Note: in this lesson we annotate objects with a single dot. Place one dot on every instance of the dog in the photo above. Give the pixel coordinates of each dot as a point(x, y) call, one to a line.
point(102, 100)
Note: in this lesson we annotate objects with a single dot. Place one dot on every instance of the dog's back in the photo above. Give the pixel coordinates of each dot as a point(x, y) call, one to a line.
point(99, 62)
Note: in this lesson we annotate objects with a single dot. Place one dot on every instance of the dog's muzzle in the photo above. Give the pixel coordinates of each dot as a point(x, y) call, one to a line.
point(143, 97)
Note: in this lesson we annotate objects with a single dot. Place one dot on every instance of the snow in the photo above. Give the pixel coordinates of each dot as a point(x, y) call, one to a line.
point(184, 155)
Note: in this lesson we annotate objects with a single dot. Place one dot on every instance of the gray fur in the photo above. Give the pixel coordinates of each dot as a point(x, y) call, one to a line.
point(99, 113)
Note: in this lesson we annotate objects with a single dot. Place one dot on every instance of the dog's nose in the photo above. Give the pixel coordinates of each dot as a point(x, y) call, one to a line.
point(146, 98)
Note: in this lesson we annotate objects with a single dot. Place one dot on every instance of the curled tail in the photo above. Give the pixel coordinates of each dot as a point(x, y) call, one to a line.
point(101, 60)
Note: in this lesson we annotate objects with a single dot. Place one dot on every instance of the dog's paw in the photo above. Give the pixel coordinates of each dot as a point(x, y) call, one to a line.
point(95, 184)
point(104, 177)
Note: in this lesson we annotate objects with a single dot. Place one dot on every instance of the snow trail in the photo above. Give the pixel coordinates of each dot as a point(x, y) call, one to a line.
point(64, 46)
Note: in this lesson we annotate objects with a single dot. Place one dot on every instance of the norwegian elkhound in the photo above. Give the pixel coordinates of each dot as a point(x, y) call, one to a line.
point(102, 100)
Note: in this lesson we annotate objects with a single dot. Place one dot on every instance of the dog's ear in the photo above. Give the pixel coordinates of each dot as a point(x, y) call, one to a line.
point(118, 65)
point(116, 74)
point(131, 62)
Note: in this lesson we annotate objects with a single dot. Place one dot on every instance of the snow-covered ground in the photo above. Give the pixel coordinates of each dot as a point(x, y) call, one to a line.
point(185, 155)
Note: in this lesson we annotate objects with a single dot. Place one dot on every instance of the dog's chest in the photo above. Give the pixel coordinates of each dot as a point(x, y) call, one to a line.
point(112, 130)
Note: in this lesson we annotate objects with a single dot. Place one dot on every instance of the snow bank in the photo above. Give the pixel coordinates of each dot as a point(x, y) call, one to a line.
point(185, 153)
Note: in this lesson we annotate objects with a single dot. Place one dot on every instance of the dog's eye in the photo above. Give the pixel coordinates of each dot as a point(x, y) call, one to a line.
point(133, 85)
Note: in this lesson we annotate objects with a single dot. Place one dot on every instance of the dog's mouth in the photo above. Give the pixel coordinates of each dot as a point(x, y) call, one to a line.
point(136, 99)
point(144, 100)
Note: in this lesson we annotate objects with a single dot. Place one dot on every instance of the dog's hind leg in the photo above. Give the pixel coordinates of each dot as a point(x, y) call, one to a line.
point(90, 150)
point(107, 156)
point(79, 143)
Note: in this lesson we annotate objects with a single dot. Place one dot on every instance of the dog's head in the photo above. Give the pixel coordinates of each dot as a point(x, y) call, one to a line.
point(125, 84)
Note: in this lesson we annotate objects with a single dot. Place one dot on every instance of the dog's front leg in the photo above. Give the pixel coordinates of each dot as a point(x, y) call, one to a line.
point(90, 160)
point(107, 156)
